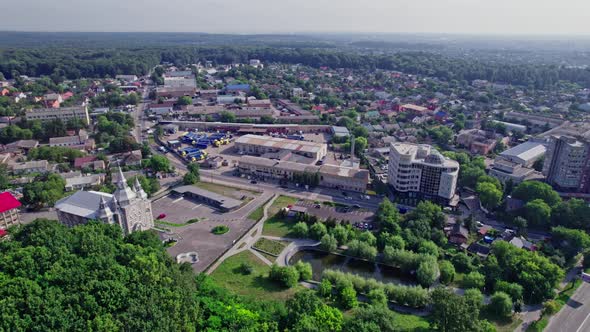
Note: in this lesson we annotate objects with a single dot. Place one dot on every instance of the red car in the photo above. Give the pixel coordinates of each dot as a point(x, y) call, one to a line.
point(162, 216)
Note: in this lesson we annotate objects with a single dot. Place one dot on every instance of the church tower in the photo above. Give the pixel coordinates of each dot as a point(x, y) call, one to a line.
point(133, 206)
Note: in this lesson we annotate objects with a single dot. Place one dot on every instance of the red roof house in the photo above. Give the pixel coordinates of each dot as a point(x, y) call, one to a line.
point(8, 202)
point(9, 214)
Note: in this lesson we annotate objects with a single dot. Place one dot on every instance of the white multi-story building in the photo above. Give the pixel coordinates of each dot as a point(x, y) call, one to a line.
point(419, 171)
point(566, 164)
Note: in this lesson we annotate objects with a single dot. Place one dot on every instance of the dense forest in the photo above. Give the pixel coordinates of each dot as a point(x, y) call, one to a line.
point(91, 278)
point(73, 63)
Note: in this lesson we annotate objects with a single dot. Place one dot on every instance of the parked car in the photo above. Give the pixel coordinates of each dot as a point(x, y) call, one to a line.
point(162, 216)
point(253, 182)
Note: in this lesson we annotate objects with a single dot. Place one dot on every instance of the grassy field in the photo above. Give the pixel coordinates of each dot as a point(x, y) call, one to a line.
point(173, 224)
point(257, 214)
point(223, 190)
point(406, 322)
point(270, 246)
point(256, 285)
point(271, 258)
point(281, 202)
point(276, 226)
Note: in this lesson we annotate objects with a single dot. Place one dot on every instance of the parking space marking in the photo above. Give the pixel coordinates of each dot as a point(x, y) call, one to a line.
point(196, 206)
point(178, 200)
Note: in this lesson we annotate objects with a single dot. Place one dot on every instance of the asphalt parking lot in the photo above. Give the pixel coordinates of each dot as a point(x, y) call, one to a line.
point(180, 210)
point(339, 213)
point(197, 237)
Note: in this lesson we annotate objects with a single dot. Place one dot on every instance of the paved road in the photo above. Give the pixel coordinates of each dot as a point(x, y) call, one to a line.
point(575, 315)
point(246, 242)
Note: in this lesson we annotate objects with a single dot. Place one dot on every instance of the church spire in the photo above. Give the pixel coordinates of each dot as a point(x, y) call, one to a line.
point(138, 189)
point(122, 183)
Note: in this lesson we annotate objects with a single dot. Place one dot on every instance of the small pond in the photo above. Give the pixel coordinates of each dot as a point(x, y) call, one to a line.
point(321, 260)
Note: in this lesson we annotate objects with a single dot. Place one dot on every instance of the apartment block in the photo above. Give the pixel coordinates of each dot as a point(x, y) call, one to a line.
point(63, 113)
point(419, 171)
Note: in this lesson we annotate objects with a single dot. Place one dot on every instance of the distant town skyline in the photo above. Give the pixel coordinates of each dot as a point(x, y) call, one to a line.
point(504, 17)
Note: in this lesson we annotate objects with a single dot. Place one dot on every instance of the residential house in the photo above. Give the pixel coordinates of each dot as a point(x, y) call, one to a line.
point(35, 166)
point(458, 234)
point(9, 210)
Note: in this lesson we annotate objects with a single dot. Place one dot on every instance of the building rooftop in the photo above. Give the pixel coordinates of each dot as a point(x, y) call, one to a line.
point(83, 203)
point(8, 202)
point(224, 201)
point(280, 143)
point(526, 151)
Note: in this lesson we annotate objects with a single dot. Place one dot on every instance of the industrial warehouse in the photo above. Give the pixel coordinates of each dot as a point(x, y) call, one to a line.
point(279, 148)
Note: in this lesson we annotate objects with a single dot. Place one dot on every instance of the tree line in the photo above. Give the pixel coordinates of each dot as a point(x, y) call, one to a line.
point(73, 63)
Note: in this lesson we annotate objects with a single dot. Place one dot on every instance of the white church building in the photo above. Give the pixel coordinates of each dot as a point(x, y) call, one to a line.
point(127, 207)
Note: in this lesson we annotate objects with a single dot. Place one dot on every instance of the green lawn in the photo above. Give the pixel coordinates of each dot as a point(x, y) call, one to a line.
point(277, 226)
point(257, 214)
point(406, 322)
point(281, 202)
point(256, 285)
point(270, 246)
point(173, 224)
point(222, 190)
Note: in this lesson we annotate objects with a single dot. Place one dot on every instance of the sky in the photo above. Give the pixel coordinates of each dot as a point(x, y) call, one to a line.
point(499, 17)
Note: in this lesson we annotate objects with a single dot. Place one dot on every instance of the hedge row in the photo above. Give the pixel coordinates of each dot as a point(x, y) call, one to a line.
point(411, 296)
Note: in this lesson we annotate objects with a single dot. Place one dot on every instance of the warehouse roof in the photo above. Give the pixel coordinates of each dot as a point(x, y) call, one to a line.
point(526, 151)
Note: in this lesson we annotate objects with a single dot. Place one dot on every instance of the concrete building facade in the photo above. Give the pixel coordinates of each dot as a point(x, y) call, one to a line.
point(329, 176)
point(419, 171)
point(63, 113)
point(567, 164)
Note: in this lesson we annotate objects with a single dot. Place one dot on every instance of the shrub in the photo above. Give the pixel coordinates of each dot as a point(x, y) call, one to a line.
point(325, 288)
point(221, 229)
point(462, 262)
point(362, 250)
point(340, 233)
point(328, 243)
point(474, 297)
point(246, 268)
point(288, 276)
point(317, 230)
point(512, 289)
point(501, 304)
point(428, 248)
point(377, 297)
point(550, 307)
point(411, 296)
point(348, 297)
point(474, 280)
point(368, 238)
point(304, 269)
point(300, 230)
point(427, 272)
point(447, 272)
